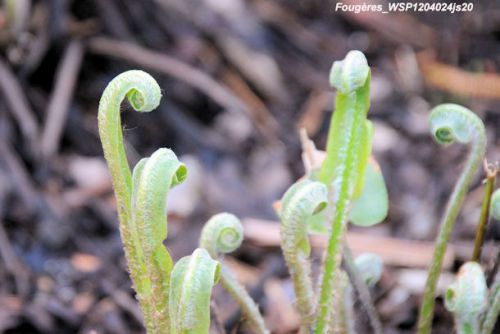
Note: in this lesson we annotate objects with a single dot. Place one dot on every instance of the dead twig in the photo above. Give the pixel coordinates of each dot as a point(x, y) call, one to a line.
point(456, 81)
point(18, 104)
point(491, 171)
point(123, 300)
point(57, 110)
point(393, 251)
point(12, 263)
point(19, 176)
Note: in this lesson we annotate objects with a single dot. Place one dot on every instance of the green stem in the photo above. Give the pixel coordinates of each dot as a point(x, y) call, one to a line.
point(491, 175)
point(451, 122)
point(247, 304)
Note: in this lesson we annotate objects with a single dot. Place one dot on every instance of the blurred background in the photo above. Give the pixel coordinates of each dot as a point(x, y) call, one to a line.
point(239, 78)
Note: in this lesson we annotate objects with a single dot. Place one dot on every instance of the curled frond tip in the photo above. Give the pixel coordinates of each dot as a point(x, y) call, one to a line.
point(223, 233)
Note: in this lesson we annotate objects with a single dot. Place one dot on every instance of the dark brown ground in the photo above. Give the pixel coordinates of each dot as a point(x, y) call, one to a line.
point(239, 78)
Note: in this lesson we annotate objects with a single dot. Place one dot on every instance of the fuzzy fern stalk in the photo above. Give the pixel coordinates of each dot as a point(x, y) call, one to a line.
point(304, 199)
point(370, 267)
point(364, 272)
point(344, 323)
point(493, 312)
point(222, 234)
point(467, 297)
point(348, 149)
point(140, 198)
point(144, 95)
point(450, 123)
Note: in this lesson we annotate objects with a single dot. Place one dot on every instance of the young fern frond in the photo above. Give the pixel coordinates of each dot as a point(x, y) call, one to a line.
point(466, 298)
point(304, 199)
point(144, 95)
point(223, 233)
point(191, 287)
point(343, 170)
point(141, 200)
point(152, 179)
point(369, 207)
point(450, 123)
point(370, 266)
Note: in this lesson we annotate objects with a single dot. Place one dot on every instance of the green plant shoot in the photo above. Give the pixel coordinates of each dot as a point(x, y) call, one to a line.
point(348, 149)
point(467, 297)
point(450, 123)
point(370, 266)
point(370, 208)
point(192, 280)
point(141, 200)
point(222, 234)
point(151, 180)
point(302, 200)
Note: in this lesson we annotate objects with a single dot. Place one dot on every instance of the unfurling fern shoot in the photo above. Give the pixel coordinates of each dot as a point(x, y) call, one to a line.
point(348, 149)
point(222, 234)
point(466, 298)
point(450, 123)
point(304, 199)
point(141, 200)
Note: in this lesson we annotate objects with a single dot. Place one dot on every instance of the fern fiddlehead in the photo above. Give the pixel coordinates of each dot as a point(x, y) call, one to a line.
point(466, 298)
point(304, 199)
point(190, 290)
point(450, 123)
point(151, 180)
point(370, 266)
point(348, 150)
point(223, 233)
